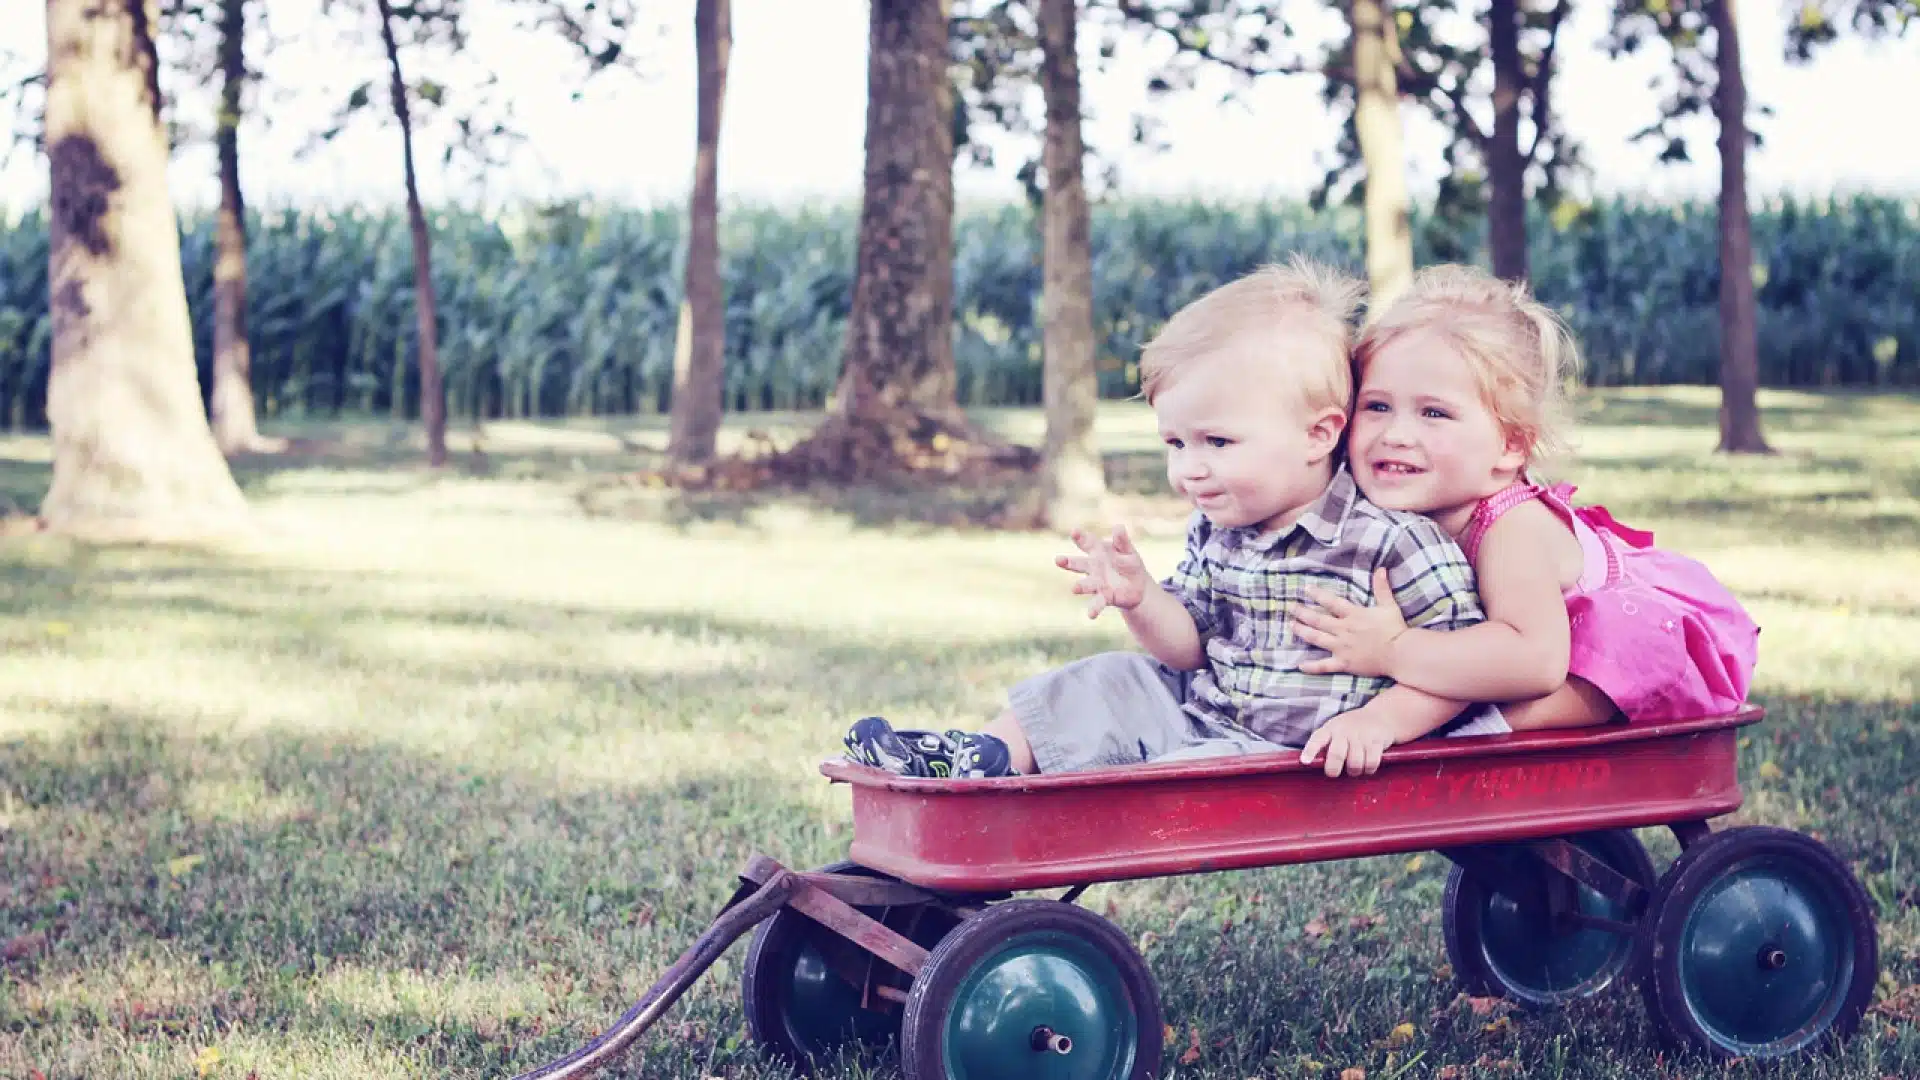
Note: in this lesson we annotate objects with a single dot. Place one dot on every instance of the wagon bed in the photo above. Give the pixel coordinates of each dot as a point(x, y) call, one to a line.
point(1029, 832)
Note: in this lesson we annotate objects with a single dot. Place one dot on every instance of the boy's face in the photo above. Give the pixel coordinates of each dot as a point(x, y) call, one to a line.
point(1240, 446)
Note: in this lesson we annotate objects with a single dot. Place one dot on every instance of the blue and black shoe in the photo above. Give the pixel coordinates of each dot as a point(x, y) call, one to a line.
point(874, 742)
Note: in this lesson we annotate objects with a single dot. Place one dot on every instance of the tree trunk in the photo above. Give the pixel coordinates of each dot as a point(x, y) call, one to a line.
point(433, 404)
point(235, 427)
point(1739, 330)
point(133, 457)
point(697, 387)
point(899, 351)
point(896, 409)
point(1072, 480)
point(1506, 166)
point(1376, 119)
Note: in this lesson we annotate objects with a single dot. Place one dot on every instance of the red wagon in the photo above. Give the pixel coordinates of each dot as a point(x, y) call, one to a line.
point(1755, 942)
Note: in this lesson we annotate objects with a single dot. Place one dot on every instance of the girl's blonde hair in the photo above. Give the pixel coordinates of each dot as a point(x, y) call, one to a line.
point(1520, 351)
point(1299, 315)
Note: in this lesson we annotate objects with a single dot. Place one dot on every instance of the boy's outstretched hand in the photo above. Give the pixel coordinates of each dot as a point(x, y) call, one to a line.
point(1113, 573)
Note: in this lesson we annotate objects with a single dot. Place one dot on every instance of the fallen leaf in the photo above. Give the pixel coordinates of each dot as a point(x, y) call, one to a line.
point(205, 1060)
point(1193, 1047)
point(1448, 1072)
point(184, 864)
point(1354, 1073)
point(23, 946)
point(1770, 771)
point(1401, 1035)
point(1315, 928)
point(1499, 1027)
point(59, 629)
point(1481, 1006)
point(1414, 864)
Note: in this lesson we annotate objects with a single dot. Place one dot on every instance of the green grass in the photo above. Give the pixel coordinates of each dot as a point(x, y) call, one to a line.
point(438, 776)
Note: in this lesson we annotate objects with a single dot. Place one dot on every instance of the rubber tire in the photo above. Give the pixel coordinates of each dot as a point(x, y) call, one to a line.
point(1463, 910)
point(1660, 957)
point(922, 1035)
point(770, 958)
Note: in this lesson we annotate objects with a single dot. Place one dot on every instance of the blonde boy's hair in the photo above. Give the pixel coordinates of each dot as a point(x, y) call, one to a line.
point(1521, 353)
point(1301, 315)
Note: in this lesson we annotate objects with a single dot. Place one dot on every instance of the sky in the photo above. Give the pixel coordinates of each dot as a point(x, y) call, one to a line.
point(794, 118)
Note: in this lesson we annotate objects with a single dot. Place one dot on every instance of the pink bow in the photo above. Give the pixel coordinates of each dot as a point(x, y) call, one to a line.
point(1599, 517)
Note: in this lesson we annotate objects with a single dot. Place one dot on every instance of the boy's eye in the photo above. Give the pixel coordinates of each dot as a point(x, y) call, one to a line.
point(1173, 442)
point(1375, 406)
point(1217, 440)
point(1434, 414)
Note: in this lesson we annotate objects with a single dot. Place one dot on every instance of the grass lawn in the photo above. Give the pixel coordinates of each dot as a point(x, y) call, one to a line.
point(434, 779)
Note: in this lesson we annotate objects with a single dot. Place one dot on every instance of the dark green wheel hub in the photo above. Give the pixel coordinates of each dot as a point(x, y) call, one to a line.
point(1046, 1006)
point(1764, 953)
point(1534, 953)
point(1528, 952)
point(821, 1011)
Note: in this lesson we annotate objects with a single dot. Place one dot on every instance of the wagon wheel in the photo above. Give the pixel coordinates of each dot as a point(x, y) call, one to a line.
point(1759, 943)
point(798, 1006)
point(1502, 948)
point(1034, 989)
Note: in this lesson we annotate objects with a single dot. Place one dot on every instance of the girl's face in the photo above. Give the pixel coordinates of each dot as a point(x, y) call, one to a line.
point(1422, 438)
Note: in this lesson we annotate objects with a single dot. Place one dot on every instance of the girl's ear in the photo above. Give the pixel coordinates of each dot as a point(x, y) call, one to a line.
point(1323, 433)
point(1514, 457)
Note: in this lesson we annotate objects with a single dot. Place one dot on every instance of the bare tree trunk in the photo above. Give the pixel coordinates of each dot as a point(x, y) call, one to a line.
point(896, 407)
point(1376, 119)
point(133, 457)
point(1739, 330)
point(899, 351)
point(697, 389)
point(1506, 166)
point(433, 404)
point(1073, 480)
point(235, 427)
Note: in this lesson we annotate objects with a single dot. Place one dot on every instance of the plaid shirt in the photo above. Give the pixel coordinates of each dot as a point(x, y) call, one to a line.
point(1242, 588)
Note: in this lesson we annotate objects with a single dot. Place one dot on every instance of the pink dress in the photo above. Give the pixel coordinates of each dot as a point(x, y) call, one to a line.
point(1654, 630)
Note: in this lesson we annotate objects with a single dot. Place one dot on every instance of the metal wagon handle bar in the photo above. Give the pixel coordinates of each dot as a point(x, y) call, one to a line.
point(742, 913)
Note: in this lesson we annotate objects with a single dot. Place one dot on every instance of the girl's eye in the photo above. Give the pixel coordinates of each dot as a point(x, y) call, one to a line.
point(1217, 441)
point(1432, 413)
point(1375, 406)
point(1175, 443)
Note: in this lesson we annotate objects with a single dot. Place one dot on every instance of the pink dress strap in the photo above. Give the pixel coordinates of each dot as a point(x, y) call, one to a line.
point(1488, 511)
point(1593, 526)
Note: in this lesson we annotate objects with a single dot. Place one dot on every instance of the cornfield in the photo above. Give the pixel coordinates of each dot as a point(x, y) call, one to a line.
point(572, 311)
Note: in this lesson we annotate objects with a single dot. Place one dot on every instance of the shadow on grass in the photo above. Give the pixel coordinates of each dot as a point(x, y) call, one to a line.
point(331, 868)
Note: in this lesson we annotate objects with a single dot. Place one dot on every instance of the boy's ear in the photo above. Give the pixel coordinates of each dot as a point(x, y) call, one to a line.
point(1323, 433)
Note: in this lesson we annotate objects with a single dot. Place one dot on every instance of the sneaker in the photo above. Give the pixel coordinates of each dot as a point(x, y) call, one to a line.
point(873, 742)
point(978, 756)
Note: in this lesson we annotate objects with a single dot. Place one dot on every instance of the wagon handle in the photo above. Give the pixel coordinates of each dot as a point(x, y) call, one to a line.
point(740, 915)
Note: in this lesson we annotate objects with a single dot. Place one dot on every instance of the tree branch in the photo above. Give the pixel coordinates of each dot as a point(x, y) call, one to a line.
point(1141, 15)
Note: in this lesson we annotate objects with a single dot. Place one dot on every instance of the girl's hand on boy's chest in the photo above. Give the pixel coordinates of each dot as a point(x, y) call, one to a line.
point(1359, 638)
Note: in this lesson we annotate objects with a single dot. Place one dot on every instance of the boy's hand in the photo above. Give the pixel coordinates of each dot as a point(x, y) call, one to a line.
point(1360, 638)
point(1114, 573)
point(1354, 741)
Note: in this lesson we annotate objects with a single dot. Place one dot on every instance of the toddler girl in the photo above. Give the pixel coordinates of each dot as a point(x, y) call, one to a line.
point(1461, 386)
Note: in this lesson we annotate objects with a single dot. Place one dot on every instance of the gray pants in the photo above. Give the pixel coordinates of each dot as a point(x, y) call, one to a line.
point(1119, 708)
point(1124, 708)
